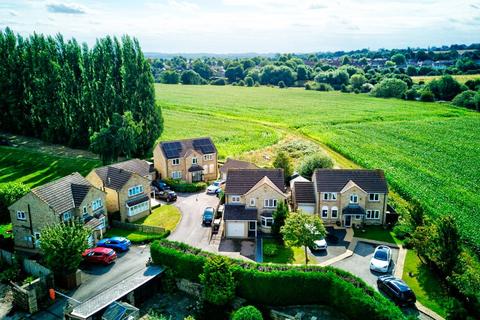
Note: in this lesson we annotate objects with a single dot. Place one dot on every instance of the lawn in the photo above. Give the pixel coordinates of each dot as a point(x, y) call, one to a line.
point(377, 233)
point(286, 254)
point(134, 236)
point(462, 78)
point(165, 216)
point(429, 151)
point(425, 284)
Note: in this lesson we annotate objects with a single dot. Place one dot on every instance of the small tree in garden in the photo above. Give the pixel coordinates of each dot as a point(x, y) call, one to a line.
point(217, 280)
point(247, 313)
point(282, 161)
point(315, 161)
point(279, 216)
point(62, 245)
point(302, 230)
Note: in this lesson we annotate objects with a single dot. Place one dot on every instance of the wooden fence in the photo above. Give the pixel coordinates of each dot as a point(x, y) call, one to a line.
point(137, 227)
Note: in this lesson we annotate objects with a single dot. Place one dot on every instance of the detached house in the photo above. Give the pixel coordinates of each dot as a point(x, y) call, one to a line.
point(127, 185)
point(251, 196)
point(58, 201)
point(234, 164)
point(192, 160)
point(344, 197)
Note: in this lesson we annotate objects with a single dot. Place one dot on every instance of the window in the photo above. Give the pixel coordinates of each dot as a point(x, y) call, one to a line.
point(373, 214)
point(21, 215)
point(329, 196)
point(353, 198)
point(175, 162)
point(324, 212)
point(97, 204)
point(102, 223)
point(194, 160)
point(85, 210)
point(177, 175)
point(334, 212)
point(133, 210)
point(252, 202)
point(235, 198)
point(67, 216)
point(267, 222)
point(208, 157)
point(36, 237)
point(357, 217)
point(133, 191)
point(270, 203)
point(374, 197)
point(252, 225)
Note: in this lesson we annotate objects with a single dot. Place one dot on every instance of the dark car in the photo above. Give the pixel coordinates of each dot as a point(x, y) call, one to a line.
point(115, 243)
point(397, 290)
point(160, 185)
point(208, 215)
point(166, 195)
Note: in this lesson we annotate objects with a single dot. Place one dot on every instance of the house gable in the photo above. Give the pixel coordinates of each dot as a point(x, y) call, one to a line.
point(266, 183)
point(350, 184)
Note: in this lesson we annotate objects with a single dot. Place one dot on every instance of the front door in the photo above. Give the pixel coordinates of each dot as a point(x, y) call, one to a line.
point(348, 221)
point(197, 176)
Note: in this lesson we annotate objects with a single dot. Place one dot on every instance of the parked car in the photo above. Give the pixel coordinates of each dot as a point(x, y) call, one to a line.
point(215, 187)
point(397, 290)
point(208, 215)
point(166, 195)
point(160, 185)
point(381, 259)
point(115, 243)
point(319, 245)
point(99, 255)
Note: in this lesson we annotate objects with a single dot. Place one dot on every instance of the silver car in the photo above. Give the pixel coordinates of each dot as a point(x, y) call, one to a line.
point(381, 259)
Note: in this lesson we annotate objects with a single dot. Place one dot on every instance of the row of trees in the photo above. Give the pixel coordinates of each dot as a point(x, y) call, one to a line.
point(64, 92)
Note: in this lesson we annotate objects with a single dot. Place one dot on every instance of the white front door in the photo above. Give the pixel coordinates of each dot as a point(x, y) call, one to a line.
point(235, 230)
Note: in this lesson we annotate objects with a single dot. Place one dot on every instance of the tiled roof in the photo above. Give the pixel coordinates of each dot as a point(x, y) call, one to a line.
point(333, 180)
point(140, 167)
point(236, 164)
point(239, 212)
point(240, 181)
point(353, 209)
point(304, 192)
point(65, 193)
point(178, 148)
point(113, 178)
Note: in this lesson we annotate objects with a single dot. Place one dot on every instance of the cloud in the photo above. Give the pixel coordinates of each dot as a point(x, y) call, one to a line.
point(68, 8)
point(13, 13)
point(475, 6)
point(317, 6)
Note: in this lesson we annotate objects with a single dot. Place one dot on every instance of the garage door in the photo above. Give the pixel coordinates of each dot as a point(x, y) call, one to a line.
point(235, 229)
point(307, 208)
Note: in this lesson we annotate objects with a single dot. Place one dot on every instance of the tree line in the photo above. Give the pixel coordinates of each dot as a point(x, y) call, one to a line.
point(63, 92)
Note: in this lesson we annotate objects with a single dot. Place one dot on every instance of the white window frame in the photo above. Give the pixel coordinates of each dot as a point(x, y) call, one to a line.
point(235, 199)
point(133, 191)
point(176, 175)
point(102, 223)
point(194, 160)
point(329, 196)
point(208, 157)
point(265, 221)
point(138, 208)
point(175, 162)
point(97, 204)
point(252, 202)
point(353, 195)
point(334, 209)
point(67, 216)
point(376, 214)
point(270, 203)
point(358, 217)
point(375, 196)
point(324, 213)
point(21, 215)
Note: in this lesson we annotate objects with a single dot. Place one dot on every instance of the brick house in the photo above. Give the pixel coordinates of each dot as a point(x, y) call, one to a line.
point(127, 185)
point(60, 200)
point(344, 196)
point(192, 160)
point(251, 196)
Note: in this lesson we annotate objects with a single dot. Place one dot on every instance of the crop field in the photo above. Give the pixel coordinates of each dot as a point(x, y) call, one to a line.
point(462, 78)
point(430, 151)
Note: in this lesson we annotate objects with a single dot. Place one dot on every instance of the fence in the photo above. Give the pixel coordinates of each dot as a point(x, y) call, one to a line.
point(6, 257)
point(137, 227)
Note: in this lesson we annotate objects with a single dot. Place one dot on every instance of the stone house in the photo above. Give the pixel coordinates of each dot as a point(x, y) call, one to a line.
point(61, 200)
point(128, 189)
point(251, 196)
point(192, 160)
point(234, 164)
point(345, 197)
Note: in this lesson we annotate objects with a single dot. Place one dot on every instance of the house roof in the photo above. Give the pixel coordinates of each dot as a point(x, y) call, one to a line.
point(115, 176)
point(135, 201)
point(240, 181)
point(239, 212)
point(140, 167)
point(195, 168)
point(65, 193)
point(304, 192)
point(236, 164)
point(334, 180)
point(179, 148)
point(297, 178)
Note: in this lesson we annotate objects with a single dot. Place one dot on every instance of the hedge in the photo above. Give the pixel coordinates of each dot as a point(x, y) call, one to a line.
point(183, 186)
point(276, 285)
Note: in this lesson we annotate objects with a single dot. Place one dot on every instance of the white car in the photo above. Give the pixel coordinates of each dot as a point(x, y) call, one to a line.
point(320, 245)
point(381, 259)
point(215, 187)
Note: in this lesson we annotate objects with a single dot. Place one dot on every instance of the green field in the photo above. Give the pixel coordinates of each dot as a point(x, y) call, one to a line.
point(429, 151)
point(462, 78)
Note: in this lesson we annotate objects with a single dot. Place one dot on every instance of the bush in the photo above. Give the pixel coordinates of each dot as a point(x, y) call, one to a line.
point(466, 99)
point(249, 81)
point(270, 249)
point(445, 88)
point(218, 82)
point(427, 96)
point(411, 94)
point(367, 87)
point(390, 88)
point(191, 77)
point(315, 161)
point(218, 284)
point(247, 313)
point(401, 231)
point(281, 84)
point(183, 186)
point(241, 83)
point(323, 87)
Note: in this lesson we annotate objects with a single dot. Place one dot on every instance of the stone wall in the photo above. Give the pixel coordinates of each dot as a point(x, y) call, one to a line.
point(189, 287)
point(25, 297)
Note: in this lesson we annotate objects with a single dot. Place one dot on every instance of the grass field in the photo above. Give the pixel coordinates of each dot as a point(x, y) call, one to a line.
point(291, 255)
point(429, 151)
point(460, 78)
point(377, 233)
point(165, 216)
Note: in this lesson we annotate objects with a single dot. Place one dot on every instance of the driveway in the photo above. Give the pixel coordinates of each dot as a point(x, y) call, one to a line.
point(336, 245)
point(190, 229)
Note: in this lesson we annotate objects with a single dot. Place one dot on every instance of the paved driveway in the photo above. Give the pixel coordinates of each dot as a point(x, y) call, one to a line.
point(190, 229)
point(336, 245)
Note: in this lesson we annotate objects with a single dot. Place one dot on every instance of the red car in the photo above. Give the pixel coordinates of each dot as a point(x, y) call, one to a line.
point(100, 255)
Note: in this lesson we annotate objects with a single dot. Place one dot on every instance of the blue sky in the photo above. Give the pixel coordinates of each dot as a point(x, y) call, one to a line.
point(235, 26)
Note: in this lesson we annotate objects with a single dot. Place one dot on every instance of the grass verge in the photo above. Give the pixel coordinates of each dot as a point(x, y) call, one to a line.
point(377, 233)
point(286, 254)
point(135, 236)
point(165, 216)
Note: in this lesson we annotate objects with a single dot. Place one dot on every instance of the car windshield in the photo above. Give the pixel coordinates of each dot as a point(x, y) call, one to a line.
point(216, 184)
point(208, 212)
point(111, 253)
point(381, 255)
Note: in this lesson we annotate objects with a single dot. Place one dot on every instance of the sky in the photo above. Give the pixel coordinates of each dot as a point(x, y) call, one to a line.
point(261, 26)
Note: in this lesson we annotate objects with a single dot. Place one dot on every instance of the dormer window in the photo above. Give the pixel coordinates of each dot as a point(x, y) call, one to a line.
point(354, 199)
point(133, 191)
point(175, 162)
point(194, 160)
